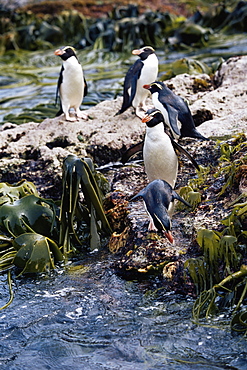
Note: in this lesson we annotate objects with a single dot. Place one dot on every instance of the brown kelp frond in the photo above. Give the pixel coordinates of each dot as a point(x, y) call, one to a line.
point(78, 176)
point(233, 157)
point(213, 273)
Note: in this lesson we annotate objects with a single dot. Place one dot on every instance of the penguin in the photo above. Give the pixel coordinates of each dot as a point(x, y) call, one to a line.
point(142, 72)
point(156, 115)
point(159, 198)
point(160, 158)
point(176, 112)
point(71, 86)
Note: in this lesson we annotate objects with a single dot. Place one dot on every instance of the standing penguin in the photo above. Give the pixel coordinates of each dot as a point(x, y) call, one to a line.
point(160, 158)
point(72, 86)
point(142, 72)
point(176, 112)
point(157, 116)
point(159, 198)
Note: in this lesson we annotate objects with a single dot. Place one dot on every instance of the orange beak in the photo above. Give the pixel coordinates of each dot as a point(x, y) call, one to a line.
point(169, 236)
point(146, 119)
point(136, 52)
point(58, 52)
point(146, 87)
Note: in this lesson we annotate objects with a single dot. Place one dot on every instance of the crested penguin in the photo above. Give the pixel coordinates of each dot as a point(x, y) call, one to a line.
point(142, 72)
point(158, 116)
point(71, 86)
point(160, 158)
point(159, 198)
point(176, 112)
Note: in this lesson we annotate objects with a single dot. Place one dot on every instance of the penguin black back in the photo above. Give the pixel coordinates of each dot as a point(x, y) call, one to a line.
point(143, 70)
point(174, 109)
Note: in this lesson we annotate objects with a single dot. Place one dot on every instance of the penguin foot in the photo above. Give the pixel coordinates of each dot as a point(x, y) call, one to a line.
point(69, 118)
point(151, 226)
point(80, 114)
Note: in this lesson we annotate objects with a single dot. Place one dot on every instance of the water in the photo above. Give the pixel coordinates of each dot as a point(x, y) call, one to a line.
point(87, 317)
point(28, 80)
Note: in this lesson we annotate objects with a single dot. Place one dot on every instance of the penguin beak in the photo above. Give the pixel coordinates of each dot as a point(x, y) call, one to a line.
point(169, 236)
point(59, 52)
point(136, 51)
point(146, 119)
point(146, 87)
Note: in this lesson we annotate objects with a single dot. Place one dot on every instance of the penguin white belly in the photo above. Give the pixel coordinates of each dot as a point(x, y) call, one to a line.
point(148, 74)
point(160, 159)
point(72, 87)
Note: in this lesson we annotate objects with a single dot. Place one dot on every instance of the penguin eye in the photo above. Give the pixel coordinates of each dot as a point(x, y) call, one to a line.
point(148, 48)
point(69, 47)
point(156, 84)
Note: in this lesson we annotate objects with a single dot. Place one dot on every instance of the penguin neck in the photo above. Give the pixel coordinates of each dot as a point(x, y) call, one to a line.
point(151, 61)
point(71, 62)
point(157, 132)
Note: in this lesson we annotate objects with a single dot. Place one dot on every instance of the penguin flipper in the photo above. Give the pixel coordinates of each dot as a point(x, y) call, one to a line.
point(141, 194)
point(173, 118)
point(177, 196)
point(60, 80)
point(131, 151)
point(185, 152)
point(85, 86)
point(130, 84)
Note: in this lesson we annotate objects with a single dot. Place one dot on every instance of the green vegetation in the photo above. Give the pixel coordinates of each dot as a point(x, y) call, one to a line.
point(220, 273)
point(37, 233)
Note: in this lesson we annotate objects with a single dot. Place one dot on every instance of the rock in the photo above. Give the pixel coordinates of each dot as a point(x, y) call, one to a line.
point(35, 151)
point(105, 136)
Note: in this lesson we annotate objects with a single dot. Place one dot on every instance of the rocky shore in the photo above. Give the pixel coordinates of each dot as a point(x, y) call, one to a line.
point(35, 152)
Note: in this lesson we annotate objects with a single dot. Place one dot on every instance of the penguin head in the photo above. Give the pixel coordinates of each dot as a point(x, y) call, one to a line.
point(65, 52)
point(155, 86)
point(144, 52)
point(153, 117)
point(163, 223)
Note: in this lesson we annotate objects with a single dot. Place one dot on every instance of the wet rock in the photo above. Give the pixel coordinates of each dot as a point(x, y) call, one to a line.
point(35, 151)
point(191, 33)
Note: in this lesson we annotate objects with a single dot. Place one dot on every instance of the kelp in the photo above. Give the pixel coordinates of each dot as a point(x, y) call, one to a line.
point(220, 273)
point(35, 253)
point(217, 285)
point(38, 233)
point(218, 281)
point(28, 214)
point(78, 175)
point(230, 162)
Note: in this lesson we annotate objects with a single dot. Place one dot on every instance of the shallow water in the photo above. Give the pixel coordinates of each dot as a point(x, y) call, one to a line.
point(88, 317)
point(28, 80)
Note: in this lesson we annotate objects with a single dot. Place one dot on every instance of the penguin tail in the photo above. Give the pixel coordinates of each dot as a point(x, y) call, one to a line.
point(194, 134)
point(123, 109)
point(131, 151)
point(200, 136)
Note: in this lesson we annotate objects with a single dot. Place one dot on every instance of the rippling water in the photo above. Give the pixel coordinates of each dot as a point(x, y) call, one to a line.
point(28, 80)
point(88, 317)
